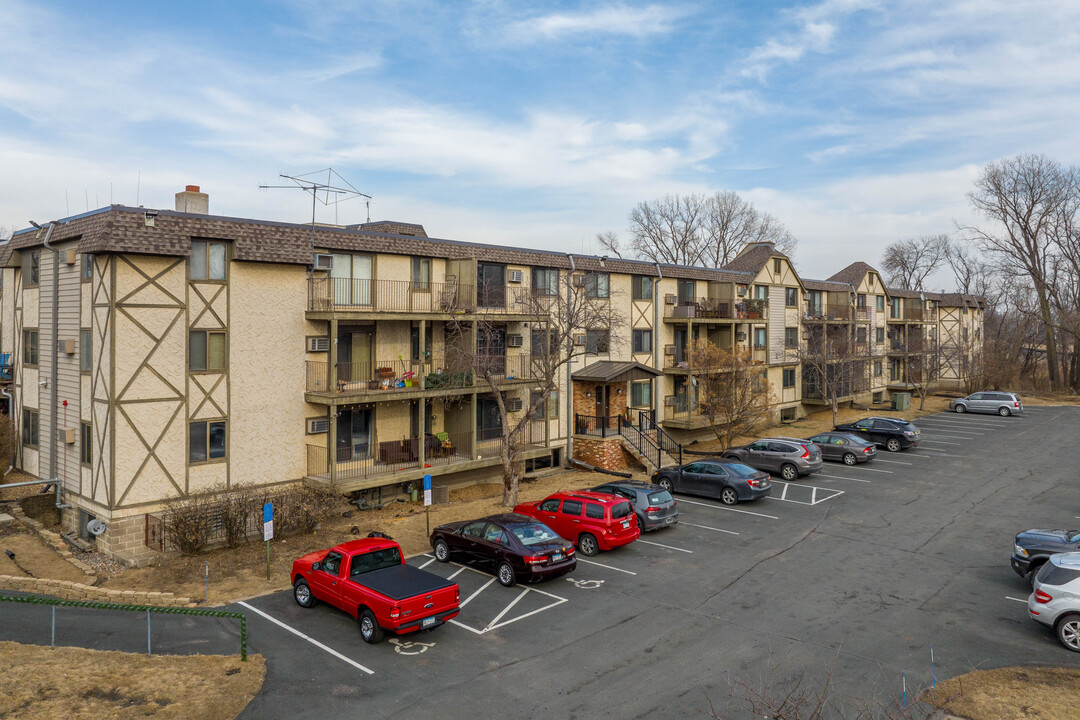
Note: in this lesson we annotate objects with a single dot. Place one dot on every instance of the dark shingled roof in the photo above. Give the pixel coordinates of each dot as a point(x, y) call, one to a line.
point(853, 273)
point(606, 371)
point(826, 285)
point(900, 292)
point(753, 257)
point(392, 227)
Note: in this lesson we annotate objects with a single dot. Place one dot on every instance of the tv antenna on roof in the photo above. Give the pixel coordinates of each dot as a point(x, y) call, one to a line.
point(334, 191)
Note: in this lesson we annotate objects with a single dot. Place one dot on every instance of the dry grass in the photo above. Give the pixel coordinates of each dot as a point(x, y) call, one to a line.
point(34, 555)
point(78, 684)
point(1014, 693)
point(16, 476)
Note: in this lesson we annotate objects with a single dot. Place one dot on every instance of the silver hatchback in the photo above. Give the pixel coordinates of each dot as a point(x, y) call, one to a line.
point(1001, 403)
point(790, 457)
point(1055, 600)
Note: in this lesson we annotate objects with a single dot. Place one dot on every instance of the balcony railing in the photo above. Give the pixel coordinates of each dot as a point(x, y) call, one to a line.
point(708, 308)
point(387, 458)
point(830, 312)
point(433, 373)
point(346, 294)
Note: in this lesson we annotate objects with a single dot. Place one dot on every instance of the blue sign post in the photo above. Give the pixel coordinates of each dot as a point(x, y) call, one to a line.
point(268, 532)
point(427, 501)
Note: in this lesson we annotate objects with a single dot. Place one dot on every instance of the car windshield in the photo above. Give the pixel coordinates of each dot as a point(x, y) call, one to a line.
point(740, 469)
point(1074, 536)
point(534, 534)
point(659, 498)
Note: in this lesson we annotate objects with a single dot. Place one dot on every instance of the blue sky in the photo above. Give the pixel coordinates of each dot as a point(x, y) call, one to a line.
point(537, 124)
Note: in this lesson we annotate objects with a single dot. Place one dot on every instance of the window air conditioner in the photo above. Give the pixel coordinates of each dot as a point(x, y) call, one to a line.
point(318, 344)
point(323, 261)
point(517, 276)
point(317, 426)
point(515, 340)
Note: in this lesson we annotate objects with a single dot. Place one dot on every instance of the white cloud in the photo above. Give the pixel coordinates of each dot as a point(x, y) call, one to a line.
point(615, 19)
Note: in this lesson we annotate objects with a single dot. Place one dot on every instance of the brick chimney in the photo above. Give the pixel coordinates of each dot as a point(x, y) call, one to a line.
point(193, 201)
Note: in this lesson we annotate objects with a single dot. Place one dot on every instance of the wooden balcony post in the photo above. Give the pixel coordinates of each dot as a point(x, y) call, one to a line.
point(472, 422)
point(421, 411)
point(423, 354)
point(331, 443)
point(331, 357)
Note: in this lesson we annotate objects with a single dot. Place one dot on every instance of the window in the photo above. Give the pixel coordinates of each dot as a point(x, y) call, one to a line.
point(791, 297)
point(206, 350)
point(870, 279)
point(32, 268)
point(597, 285)
point(894, 308)
point(207, 260)
point(421, 273)
point(860, 335)
point(594, 511)
point(760, 337)
point(543, 411)
point(791, 337)
point(776, 266)
point(761, 292)
point(686, 290)
point(414, 341)
point(642, 287)
point(537, 343)
point(553, 405)
point(545, 281)
point(879, 335)
point(30, 347)
point(860, 301)
point(641, 393)
point(642, 341)
point(86, 444)
point(546, 506)
point(880, 303)
point(596, 342)
point(206, 441)
point(571, 507)
point(86, 271)
point(30, 428)
point(331, 563)
point(789, 377)
point(86, 351)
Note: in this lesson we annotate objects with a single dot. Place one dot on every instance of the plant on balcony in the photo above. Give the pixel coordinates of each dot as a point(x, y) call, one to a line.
point(733, 395)
point(445, 380)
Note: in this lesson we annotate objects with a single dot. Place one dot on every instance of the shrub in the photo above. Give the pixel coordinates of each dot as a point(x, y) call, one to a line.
point(190, 522)
point(239, 510)
point(300, 508)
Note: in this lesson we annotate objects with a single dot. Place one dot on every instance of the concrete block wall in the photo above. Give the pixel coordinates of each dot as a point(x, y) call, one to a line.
point(126, 540)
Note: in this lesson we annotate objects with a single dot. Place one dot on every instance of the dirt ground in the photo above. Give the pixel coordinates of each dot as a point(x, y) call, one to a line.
point(16, 476)
point(33, 557)
point(78, 684)
point(1015, 693)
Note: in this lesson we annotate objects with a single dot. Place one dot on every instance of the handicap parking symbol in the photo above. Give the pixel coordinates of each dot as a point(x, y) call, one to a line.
point(409, 647)
point(586, 584)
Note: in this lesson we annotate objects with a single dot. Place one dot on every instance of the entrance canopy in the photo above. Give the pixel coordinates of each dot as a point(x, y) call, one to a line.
point(609, 371)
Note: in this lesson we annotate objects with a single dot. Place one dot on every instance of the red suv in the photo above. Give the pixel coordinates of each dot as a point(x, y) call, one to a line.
point(593, 521)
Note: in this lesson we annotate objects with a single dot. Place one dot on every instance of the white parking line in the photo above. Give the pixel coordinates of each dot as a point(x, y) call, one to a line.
point(939, 442)
point(706, 527)
point(507, 609)
point(721, 507)
point(959, 429)
point(1015, 599)
point(840, 477)
point(427, 563)
point(866, 469)
point(483, 587)
point(669, 547)
point(893, 462)
point(609, 567)
point(311, 640)
point(952, 434)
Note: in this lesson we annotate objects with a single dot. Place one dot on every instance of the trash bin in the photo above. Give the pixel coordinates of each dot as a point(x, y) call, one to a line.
point(901, 401)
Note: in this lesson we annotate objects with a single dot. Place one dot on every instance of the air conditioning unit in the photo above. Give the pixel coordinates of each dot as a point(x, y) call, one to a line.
point(742, 290)
point(579, 281)
point(579, 339)
point(323, 261)
point(515, 340)
point(669, 401)
point(669, 349)
point(69, 256)
point(671, 299)
point(318, 344)
point(317, 426)
point(67, 347)
point(517, 276)
point(514, 405)
point(741, 336)
point(67, 435)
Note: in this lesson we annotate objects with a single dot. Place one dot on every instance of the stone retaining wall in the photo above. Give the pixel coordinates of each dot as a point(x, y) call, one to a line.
point(607, 453)
point(66, 590)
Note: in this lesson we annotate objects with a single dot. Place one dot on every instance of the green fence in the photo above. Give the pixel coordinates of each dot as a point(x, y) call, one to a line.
point(148, 609)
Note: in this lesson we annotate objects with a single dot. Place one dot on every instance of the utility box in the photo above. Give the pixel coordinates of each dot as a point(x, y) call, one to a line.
point(901, 401)
point(68, 435)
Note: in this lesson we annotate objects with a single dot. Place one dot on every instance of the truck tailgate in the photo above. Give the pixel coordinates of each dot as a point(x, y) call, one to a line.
point(402, 581)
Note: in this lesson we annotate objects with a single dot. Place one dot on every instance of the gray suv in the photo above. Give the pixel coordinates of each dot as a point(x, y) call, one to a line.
point(1002, 403)
point(790, 457)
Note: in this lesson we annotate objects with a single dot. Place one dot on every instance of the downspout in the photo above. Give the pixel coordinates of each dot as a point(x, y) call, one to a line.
point(11, 408)
point(53, 224)
point(656, 339)
point(570, 386)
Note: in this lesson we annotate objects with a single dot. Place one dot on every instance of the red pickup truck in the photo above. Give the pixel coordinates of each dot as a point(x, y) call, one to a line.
point(369, 579)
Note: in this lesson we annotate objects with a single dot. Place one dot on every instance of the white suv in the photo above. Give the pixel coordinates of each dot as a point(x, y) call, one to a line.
point(1055, 601)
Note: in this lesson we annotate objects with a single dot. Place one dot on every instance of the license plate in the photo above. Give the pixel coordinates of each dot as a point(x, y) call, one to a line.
point(429, 621)
point(668, 521)
point(557, 557)
point(625, 524)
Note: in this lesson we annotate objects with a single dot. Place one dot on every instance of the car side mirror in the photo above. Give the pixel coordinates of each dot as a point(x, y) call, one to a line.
point(316, 565)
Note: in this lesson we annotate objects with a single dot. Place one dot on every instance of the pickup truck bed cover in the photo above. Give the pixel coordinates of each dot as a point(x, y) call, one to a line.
point(402, 581)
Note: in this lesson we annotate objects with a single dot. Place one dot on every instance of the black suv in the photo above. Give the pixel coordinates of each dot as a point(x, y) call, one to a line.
point(1033, 547)
point(653, 505)
point(894, 434)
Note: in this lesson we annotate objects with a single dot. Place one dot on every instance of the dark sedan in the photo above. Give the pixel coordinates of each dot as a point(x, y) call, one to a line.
point(516, 547)
point(653, 505)
point(730, 482)
point(894, 434)
point(1032, 548)
point(845, 448)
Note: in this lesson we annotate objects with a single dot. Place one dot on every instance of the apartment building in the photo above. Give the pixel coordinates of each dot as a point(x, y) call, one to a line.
point(162, 353)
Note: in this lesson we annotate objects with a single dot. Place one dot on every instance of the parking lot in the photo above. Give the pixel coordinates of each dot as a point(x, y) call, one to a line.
point(858, 569)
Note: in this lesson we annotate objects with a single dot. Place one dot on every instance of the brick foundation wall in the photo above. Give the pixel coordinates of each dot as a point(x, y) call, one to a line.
point(125, 540)
point(608, 454)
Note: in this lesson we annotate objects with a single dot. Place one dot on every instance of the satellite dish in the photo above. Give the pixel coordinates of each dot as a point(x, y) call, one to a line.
point(95, 527)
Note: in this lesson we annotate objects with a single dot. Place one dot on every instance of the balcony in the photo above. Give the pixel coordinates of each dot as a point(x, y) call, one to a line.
point(912, 315)
point(707, 309)
point(398, 460)
point(830, 313)
point(432, 376)
point(681, 414)
point(403, 297)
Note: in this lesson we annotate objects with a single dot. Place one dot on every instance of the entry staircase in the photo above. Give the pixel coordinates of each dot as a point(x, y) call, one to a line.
point(644, 439)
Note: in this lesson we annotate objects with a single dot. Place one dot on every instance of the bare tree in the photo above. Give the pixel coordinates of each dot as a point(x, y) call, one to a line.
point(610, 242)
point(730, 223)
point(577, 305)
point(733, 394)
point(5, 232)
point(1024, 199)
point(908, 263)
point(668, 229)
point(925, 360)
point(834, 365)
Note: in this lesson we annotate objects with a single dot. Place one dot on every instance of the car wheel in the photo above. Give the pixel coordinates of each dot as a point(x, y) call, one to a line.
point(728, 496)
point(442, 551)
point(1030, 577)
point(1068, 631)
point(850, 459)
point(893, 445)
point(505, 574)
point(586, 545)
point(302, 594)
point(370, 631)
point(789, 472)
point(640, 521)
point(665, 483)
point(1004, 412)
point(960, 409)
